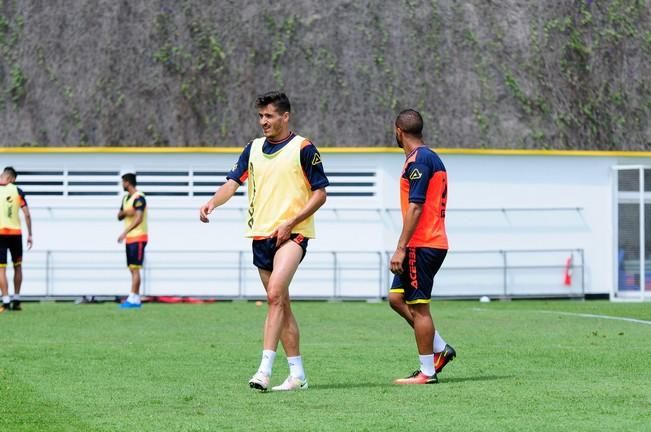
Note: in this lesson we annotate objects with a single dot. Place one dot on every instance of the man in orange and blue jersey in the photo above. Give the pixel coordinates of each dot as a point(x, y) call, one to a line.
point(133, 212)
point(286, 186)
point(422, 245)
point(12, 199)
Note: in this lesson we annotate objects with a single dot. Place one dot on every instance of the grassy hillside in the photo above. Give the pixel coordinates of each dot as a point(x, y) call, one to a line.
point(508, 74)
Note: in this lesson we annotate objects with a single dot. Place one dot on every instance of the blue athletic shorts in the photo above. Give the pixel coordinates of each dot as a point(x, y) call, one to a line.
point(264, 250)
point(417, 278)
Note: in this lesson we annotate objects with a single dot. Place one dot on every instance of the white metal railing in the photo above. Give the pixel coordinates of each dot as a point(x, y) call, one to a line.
point(323, 275)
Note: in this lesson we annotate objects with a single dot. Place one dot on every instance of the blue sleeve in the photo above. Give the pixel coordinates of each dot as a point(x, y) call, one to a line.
point(313, 167)
point(418, 175)
point(139, 204)
point(23, 202)
point(240, 171)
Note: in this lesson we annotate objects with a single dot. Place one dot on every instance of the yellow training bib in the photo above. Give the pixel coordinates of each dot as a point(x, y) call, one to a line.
point(139, 233)
point(10, 203)
point(278, 189)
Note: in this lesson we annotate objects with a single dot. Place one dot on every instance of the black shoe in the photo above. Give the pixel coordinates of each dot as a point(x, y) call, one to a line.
point(444, 357)
point(15, 305)
point(6, 307)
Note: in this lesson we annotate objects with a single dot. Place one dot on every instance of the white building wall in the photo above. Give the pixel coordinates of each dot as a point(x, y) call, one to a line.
point(551, 201)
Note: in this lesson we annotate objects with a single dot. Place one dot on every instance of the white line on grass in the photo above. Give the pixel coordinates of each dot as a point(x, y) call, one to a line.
point(583, 315)
point(608, 317)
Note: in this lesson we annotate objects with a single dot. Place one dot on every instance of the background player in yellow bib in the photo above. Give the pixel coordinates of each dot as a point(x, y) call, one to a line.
point(134, 213)
point(286, 187)
point(12, 199)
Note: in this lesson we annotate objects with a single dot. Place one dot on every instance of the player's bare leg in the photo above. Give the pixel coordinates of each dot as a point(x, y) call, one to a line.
point(289, 335)
point(280, 324)
point(4, 290)
point(286, 262)
point(443, 353)
point(423, 328)
point(135, 280)
point(397, 302)
point(424, 332)
point(133, 301)
point(18, 282)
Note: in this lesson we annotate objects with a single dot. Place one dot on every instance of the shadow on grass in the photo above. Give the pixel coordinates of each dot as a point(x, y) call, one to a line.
point(442, 380)
point(453, 380)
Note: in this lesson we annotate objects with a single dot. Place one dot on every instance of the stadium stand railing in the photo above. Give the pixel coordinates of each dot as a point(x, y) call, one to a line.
point(227, 274)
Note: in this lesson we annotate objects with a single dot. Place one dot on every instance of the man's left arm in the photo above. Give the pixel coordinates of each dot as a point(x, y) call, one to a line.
point(28, 218)
point(315, 175)
point(284, 230)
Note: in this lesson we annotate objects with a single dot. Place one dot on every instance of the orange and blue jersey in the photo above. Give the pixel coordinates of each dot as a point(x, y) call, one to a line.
point(310, 162)
point(424, 180)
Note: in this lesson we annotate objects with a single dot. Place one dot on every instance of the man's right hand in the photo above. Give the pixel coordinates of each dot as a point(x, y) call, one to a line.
point(204, 211)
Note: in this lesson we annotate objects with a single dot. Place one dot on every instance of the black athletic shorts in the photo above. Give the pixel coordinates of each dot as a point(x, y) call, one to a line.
point(264, 250)
point(417, 278)
point(135, 254)
point(13, 244)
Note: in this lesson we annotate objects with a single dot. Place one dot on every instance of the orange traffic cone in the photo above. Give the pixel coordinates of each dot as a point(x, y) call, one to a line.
point(568, 272)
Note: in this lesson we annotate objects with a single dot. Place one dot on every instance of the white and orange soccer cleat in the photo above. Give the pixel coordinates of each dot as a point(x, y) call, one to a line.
point(291, 383)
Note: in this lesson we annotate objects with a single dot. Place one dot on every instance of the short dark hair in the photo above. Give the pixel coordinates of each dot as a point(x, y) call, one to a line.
point(277, 99)
point(130, 178)
point(10, 171)
point(411, 122)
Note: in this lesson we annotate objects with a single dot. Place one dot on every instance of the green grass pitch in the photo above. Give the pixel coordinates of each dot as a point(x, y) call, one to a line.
point(521, 365)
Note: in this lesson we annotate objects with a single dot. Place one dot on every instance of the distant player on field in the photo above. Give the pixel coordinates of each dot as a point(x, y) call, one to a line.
point(12, 199)
point(422, 245)
point(134, 213)
point(286, 186)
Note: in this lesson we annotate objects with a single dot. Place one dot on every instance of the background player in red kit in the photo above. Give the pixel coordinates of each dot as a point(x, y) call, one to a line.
point(422, 245)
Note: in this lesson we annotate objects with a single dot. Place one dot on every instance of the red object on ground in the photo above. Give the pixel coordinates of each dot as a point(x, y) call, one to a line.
point(175, 299)
point(568, 272)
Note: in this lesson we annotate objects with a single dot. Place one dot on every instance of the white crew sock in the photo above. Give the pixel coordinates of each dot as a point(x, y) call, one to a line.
point(16, 297)
point(296, 367)
point(427, 364)
point(439, 343)
point(5, 299)
point(267, 362)
point(134, 298)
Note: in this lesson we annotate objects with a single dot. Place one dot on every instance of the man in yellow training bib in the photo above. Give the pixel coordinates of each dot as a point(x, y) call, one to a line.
point(12, 199)
point(134, 213)
point(286, 186)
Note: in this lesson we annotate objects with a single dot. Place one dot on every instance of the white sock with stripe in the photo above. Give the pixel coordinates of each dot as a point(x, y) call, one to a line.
point(427, 364)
